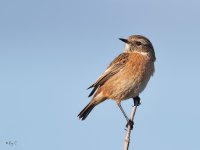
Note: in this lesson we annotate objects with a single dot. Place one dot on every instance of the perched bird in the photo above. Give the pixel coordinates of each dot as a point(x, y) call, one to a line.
point(126, 76)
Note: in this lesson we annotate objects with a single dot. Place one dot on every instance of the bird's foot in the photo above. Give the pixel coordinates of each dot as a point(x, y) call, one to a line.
point(130, 123)
point(137, 101)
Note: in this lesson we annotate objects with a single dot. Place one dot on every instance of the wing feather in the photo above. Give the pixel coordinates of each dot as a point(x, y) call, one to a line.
point(115, 66)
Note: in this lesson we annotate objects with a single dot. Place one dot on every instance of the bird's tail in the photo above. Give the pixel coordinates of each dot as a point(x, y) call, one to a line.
point(85, 112)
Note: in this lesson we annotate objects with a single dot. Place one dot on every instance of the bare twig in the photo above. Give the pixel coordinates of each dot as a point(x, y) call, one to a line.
point(129, 128)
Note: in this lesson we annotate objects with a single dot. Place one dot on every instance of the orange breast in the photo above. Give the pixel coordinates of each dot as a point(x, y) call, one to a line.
point(131, 80)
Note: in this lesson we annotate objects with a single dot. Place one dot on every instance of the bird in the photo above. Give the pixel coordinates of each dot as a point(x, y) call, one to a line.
point(126, 76)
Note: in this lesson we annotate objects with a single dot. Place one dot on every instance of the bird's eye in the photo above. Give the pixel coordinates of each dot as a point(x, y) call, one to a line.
point(138, 43)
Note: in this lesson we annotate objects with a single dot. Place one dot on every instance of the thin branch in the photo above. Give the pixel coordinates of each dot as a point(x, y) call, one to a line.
point(129, 128)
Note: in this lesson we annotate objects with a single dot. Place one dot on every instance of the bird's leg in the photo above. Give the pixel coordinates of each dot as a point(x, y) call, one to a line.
point(136, 103)
point(122, 110)
point(128, 120)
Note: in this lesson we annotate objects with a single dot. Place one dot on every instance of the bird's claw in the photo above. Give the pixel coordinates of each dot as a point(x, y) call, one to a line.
point(131, 123)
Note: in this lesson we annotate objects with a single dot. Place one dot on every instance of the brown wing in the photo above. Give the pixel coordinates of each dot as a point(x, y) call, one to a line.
point(115, 66)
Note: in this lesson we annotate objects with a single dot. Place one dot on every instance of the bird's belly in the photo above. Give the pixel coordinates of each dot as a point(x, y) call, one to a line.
point(133, 89)
point(126, 89)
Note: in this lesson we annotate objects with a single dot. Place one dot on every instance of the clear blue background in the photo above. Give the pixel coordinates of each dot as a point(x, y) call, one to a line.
point(52, 50)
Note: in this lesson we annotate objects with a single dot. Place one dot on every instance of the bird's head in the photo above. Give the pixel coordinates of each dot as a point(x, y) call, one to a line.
point(139, 44)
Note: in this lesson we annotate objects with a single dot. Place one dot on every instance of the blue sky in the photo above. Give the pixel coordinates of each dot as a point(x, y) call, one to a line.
point(51, 51)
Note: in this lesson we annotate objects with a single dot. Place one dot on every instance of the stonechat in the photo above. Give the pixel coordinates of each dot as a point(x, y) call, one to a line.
point(126, 76)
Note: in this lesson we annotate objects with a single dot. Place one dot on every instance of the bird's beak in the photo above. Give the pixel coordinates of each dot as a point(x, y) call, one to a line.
point(124, 40)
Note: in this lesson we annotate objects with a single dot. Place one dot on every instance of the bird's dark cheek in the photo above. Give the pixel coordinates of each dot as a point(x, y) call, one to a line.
point(132, 49)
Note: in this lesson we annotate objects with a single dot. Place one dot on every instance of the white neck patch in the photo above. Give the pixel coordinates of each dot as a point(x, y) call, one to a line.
point(142, 53)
